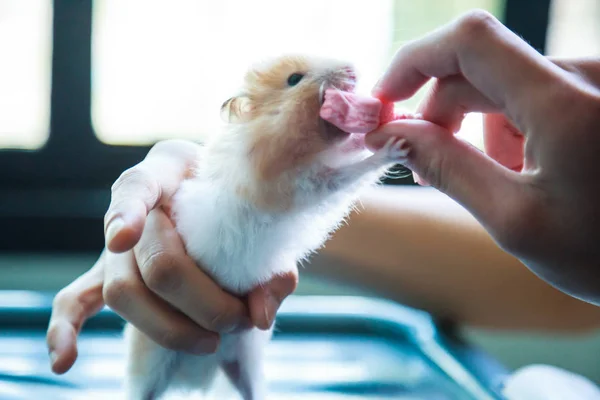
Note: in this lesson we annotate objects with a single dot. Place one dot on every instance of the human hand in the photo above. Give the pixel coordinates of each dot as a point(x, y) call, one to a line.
point(145, 275)
point(536, 190)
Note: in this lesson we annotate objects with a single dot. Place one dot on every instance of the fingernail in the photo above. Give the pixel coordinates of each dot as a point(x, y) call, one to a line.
point(415, 178)
point(420, 181)
point(271, 306)
point(113, 229)
point(53, 357)
point(267, 318)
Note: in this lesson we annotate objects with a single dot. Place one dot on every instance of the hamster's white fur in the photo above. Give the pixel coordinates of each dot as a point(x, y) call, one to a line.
point(241, 246)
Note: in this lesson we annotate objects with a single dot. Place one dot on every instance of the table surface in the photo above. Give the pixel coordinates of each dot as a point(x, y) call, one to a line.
point(351, 348)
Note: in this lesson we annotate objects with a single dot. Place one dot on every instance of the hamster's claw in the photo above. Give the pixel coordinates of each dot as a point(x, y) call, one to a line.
point(396, 149)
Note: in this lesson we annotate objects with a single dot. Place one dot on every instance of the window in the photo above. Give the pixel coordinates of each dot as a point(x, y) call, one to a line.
point(88, 86)
point(162, 70)
point(26, 48)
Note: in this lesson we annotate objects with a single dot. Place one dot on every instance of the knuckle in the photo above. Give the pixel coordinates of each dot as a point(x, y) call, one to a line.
point(219, 319)
point(159, 271)
point(476, 23)
point(437, 174)
point(434, 168)
point(117, 292)
point(62, 297)
point(52, 330)
point(136, 177)
point(130, 174)
point(73, 304)
point(64, 301)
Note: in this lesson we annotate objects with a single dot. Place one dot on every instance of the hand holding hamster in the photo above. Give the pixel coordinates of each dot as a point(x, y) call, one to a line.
point(143, 253)
point(536, 189)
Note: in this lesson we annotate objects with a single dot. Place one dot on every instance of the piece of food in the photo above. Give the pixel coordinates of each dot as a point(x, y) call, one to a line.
point(351, 112)
point(387, 114)
point(355, 113)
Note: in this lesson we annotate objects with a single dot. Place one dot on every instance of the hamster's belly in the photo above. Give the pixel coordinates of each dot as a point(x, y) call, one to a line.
point(240, 247)
point(237, 248)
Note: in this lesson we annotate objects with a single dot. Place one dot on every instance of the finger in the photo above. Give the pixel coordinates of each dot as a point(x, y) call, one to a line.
point(503, 142)
point(71, 307)
point(170, 273)
point(450, 99)
point(126, 294)
point(495, 61)
point(448, 102)
point(142, 188)
point(490, 191)
point(265, 300)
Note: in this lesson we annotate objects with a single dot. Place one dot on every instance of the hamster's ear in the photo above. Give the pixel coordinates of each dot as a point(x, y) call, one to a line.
point(236, 109)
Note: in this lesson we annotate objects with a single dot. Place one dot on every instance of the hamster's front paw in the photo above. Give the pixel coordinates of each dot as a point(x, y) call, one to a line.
point(395, 150)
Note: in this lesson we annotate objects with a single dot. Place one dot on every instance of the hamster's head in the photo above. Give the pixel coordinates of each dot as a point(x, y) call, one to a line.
point(277, 111)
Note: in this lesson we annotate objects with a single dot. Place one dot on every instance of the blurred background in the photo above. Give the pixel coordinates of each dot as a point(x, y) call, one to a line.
point(87, 86)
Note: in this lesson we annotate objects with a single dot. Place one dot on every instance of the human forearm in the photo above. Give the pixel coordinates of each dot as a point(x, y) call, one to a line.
point(417, 246)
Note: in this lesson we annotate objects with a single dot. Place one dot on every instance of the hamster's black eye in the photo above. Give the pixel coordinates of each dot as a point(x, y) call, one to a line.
point(294, 79)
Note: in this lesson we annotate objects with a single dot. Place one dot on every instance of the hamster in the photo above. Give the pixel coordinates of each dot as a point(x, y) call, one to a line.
point(269, 189)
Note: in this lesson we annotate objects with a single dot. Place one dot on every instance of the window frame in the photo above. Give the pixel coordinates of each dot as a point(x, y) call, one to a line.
point(53, 199)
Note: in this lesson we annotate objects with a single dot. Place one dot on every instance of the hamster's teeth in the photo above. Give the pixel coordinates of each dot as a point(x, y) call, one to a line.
point(322, 94)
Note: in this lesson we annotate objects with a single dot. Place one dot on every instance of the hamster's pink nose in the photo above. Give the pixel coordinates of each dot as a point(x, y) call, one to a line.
point(350, 73)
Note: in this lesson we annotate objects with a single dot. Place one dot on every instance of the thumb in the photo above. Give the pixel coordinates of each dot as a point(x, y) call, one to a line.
point(481, 185)
point(265, 300)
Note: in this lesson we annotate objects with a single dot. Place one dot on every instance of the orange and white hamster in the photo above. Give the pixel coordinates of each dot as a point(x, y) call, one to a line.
point(269, 189)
